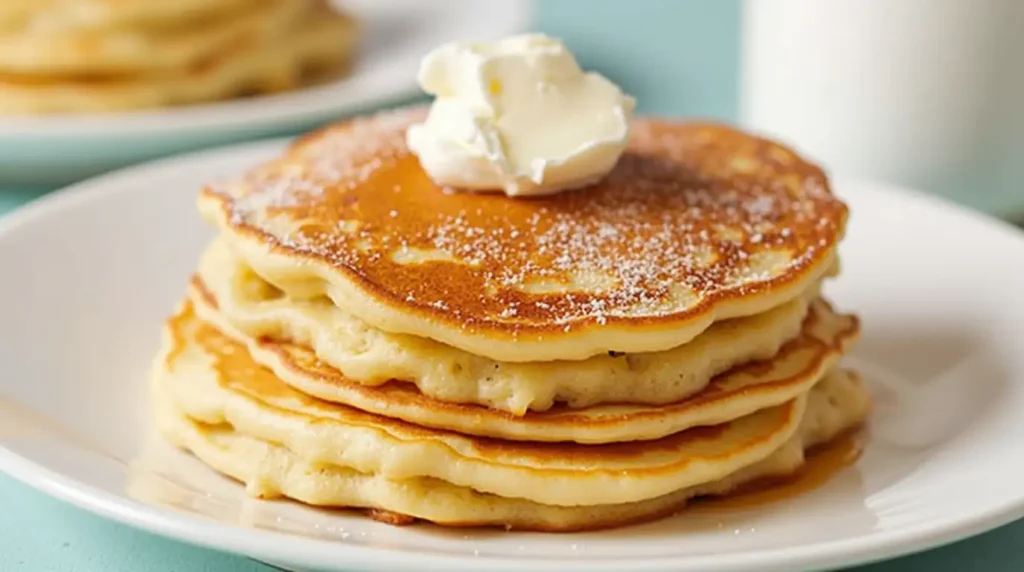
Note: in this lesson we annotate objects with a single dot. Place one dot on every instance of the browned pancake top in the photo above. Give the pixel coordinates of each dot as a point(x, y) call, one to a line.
point(693, 214)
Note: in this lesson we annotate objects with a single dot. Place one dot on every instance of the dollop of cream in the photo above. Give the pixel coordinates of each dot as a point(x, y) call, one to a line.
point(518, 116)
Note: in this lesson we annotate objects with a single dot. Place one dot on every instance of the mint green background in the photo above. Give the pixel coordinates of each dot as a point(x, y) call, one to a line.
point(679, 57)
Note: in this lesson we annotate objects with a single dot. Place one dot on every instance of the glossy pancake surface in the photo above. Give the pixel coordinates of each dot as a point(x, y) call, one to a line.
point(698, 222)
point(269, 470)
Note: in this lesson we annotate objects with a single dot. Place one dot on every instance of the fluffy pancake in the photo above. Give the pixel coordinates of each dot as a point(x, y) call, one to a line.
point(319, 45)
point(90, 52)
point(697, 222)
point(837, 404)
point(71, 15)
point(215, 380)
point(736, 393)
point(248, 304)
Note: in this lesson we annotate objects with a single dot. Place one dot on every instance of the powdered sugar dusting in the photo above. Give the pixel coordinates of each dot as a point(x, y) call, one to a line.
point(353, 154)
point(691, 212)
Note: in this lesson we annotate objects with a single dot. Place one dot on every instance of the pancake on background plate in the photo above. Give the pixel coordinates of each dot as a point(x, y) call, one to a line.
point(81, 56)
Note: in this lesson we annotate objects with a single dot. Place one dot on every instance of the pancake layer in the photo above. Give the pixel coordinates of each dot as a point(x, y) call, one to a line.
point(269, 470)
point(215, 380)
point(249, 305)
point(269, 46)
point(171, 48)
point(744, 389)
point(75, 15)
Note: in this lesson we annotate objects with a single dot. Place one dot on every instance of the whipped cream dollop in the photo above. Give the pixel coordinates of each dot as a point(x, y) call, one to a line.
point(518, 116)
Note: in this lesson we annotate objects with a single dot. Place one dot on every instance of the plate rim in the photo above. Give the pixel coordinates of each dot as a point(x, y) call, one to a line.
point(285, 548)
point(282, 548)
point(240, 115)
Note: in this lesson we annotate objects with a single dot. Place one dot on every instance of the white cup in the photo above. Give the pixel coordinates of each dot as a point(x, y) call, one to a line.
point(927, 93)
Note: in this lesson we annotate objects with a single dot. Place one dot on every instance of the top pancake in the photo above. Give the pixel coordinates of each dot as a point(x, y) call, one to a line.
point(698, 222)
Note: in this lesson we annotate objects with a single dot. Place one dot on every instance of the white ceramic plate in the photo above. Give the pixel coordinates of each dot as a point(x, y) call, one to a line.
point(90, 273)
point(46, 150)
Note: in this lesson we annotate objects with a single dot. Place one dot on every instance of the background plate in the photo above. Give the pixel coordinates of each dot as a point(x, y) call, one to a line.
point(53, 150)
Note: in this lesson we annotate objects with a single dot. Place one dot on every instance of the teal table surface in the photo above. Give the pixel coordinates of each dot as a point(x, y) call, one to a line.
point(40, 534)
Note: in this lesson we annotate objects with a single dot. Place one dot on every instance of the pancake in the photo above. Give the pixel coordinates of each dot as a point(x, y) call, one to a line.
point(247, 304)
point(697, 222)
point(319, 46)
point(837, 404)
point(294, 372)
point(215, 380)
point(92, 52)
point(71, 15)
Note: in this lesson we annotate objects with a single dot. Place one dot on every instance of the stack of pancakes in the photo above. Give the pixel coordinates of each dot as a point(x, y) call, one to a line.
point(356, 336)
point(73, 56)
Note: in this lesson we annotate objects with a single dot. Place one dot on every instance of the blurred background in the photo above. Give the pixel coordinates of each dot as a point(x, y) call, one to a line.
point(924, 93)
